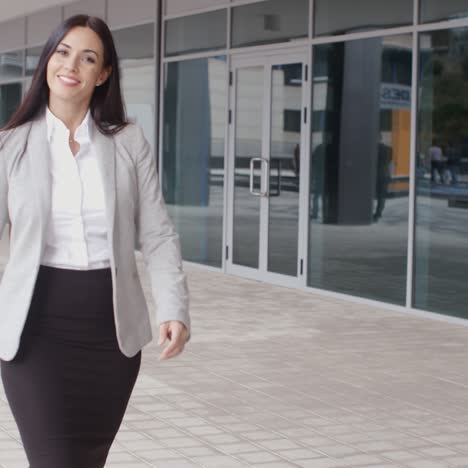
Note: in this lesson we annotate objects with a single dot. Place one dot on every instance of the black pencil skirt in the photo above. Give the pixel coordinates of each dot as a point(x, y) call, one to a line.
point(69, 385)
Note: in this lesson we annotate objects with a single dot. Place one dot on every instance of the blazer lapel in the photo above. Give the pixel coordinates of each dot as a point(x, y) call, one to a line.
point(105, 153)
point(39, 158)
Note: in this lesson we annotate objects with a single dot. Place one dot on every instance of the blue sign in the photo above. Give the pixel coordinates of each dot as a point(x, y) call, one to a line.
point(393, 96)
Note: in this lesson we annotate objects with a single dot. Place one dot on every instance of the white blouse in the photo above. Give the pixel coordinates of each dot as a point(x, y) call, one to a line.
point(76, 233)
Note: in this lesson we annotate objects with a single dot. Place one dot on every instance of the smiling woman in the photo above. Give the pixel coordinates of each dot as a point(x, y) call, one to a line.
point(74, 70)
point(79, 187)
point(78, 57)
point(71, 66)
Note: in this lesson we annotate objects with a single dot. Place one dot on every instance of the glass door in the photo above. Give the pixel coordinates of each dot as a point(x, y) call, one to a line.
point(267, 145)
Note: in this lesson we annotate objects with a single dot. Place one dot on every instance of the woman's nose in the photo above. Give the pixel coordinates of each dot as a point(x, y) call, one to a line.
point(71, 63)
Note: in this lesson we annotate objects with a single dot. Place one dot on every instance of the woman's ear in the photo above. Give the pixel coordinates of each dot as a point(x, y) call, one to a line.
point(103, 76)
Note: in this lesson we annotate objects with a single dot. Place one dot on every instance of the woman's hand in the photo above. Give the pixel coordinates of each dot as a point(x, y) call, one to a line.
point(177, 334)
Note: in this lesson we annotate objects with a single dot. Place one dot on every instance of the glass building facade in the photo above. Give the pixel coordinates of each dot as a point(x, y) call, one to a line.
point(316, 144)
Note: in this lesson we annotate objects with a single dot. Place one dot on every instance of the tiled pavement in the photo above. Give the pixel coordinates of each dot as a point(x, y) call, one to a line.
point(279, 378)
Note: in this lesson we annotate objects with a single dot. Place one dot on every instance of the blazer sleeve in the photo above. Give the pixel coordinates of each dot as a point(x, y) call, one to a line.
point(158, 241)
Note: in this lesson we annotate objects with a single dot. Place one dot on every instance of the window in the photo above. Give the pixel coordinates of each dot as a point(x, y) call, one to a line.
point(32, 59)
point(292, 120)
point(270, 21)
point(10, 98)
point(441, 245)
point(134, 44)
point(11, 65)
point(196, 33)
point(193, 154)
point(436, 10)
point(135, 48)
point(345, 16)
point(359, 168)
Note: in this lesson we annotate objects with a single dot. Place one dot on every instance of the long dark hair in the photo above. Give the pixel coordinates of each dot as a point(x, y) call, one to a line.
point(107, 108)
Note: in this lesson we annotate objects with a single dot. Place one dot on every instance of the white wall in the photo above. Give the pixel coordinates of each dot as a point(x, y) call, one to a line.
point(34, 28)
point(12, 9)
point(121, 12)
point(86, 7)
point(40, 25)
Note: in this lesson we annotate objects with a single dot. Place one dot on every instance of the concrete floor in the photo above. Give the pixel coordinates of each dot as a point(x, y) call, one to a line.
point(282, 378)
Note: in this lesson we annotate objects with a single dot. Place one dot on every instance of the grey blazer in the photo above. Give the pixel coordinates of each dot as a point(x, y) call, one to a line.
point(136, 220)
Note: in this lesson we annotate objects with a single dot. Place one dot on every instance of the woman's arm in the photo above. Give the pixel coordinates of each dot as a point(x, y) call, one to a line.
point(159, 242)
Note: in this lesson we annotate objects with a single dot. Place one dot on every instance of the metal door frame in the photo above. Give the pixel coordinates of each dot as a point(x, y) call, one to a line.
point(268, 60)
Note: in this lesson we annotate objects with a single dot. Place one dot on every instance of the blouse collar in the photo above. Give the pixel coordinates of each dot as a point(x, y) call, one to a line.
point(55, 127)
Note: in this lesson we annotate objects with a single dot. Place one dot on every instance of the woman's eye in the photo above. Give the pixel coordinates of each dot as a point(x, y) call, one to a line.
point(61, 52)
point(90, 59)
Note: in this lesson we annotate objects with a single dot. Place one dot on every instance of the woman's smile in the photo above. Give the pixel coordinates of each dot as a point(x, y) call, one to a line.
point(68, 81)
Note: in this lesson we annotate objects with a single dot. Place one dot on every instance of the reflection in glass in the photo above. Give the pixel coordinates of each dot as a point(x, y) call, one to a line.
point(137, 84)
point(345, 16)
point(32, 59)
point(436, 10)
point(270, 21)
point(135, 48)
point(248, 145)
point(134, 44)
point(193, 154)
point(196, 33)
point(359, 171)
point(10, 98)
point(441, 246)
point(283, 223)
point(11, 65)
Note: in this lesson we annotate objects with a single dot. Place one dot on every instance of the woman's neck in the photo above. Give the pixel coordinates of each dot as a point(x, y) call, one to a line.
point(69, 113)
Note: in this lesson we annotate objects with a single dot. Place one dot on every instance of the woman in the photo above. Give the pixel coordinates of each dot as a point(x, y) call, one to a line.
point(79, 188)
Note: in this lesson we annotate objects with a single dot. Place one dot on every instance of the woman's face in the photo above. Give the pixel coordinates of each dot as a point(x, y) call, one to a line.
point(76, 66)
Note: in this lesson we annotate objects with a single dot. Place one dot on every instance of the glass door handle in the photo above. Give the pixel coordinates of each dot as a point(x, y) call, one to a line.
point(257, 193)
point(265, 177)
